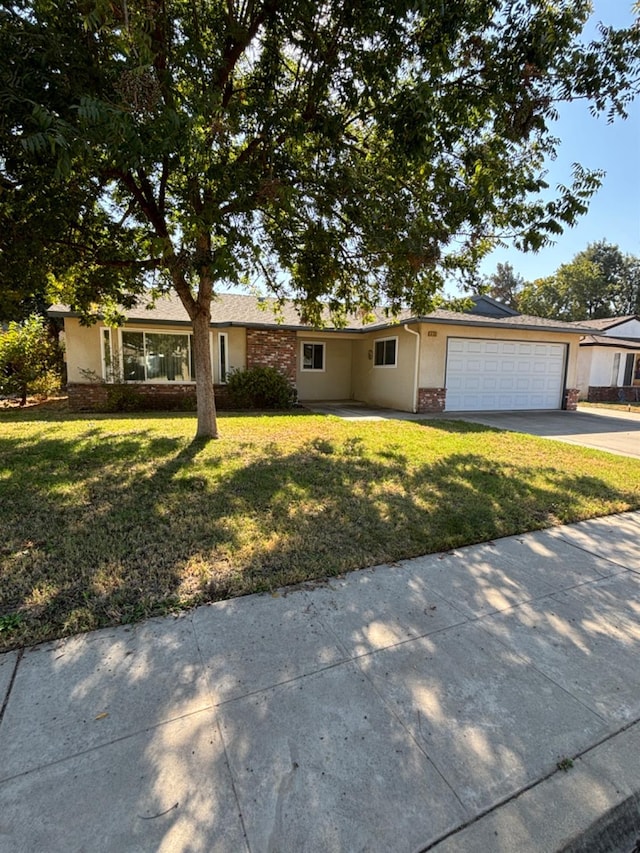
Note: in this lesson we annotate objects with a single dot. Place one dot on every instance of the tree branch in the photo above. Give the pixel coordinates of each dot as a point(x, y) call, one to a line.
point(235, 47)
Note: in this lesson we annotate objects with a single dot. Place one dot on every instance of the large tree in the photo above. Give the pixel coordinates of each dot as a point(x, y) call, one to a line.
point(348, 154)
point(598, 282)
point(504, 285)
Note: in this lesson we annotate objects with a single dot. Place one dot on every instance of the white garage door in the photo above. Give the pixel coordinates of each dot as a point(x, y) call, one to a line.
point(503, 375)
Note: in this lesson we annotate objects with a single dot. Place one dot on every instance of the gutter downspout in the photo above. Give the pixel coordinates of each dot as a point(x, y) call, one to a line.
point(416, 369)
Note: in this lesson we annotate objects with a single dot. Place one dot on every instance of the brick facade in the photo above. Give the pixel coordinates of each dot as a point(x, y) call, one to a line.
point(431, 399)
point(571, 399)
point(611, 394)
point(273, 348)
point(98, 396)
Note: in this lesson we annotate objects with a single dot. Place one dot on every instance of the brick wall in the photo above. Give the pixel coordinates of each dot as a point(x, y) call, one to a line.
point(273, 348)
point(611, 394)
point(96, 396)
point(571, 399)
point(87, 397)
point(431, 399)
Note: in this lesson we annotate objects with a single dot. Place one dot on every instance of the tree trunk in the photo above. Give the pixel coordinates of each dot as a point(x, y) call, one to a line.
point(23, 400)
point(207, 422)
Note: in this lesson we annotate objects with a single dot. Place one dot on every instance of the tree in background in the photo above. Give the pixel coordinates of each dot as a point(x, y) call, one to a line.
point(504, 285)
point(599, 282)
point(347, 155)
point(28, 357)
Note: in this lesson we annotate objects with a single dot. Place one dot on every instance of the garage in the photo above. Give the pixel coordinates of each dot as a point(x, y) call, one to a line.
point(493, 375)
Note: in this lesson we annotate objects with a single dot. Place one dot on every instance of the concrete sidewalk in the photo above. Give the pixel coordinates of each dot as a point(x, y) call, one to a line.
point(413, 707)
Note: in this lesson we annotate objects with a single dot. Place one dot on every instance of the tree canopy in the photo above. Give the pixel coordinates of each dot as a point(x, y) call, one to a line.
point(505, 285)
point(346, 154)
point(599, 282)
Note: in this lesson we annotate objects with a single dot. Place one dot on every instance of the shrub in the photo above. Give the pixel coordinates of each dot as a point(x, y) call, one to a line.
point(260, 388)
point(123, 398)
point(27, 357)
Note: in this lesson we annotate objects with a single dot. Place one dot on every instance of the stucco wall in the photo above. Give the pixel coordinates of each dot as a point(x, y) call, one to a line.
point(630, 329)
point(602, 366)
point(388, 387)
point(332, 383)
point(595, 367)
point(583, 371)
point(82, 350)
point(433, 350)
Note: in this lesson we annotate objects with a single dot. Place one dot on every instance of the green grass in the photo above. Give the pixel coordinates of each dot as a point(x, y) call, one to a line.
point(622, 407)
point(108, 519)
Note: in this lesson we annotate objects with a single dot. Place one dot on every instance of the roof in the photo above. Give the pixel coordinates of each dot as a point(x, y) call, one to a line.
point(608, 322)
point(518, 321)
point(230, 309)
point(610, 341)
point(491, 307)
point(227, 309)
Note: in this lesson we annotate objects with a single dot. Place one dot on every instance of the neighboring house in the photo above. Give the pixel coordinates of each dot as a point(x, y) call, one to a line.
point(490, 358)
point(609, 360)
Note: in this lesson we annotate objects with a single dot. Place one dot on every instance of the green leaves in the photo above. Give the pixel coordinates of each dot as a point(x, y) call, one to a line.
point(599, 282)
point(27, 353)
point(356, 155)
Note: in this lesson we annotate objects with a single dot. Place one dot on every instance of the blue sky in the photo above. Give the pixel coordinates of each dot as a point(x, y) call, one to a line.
point(614, 212)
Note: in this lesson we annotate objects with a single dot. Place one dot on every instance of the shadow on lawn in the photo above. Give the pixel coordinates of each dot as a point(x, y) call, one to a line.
point(213, 729)
point(95, 535)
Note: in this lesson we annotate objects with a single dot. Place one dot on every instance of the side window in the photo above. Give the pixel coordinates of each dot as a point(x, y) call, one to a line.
point(615, 371)
point(107, 356)
point(223, 356)
point(385, 352)
point(312, 356)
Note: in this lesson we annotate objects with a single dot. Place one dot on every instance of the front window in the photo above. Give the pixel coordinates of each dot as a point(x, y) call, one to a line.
point(385, 352)
point(156, 357)
point(313, 356)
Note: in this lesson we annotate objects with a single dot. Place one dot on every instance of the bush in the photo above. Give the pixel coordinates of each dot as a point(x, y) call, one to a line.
point(27, 357)
point(123, 398)
point(47, 385)
point(260, 388)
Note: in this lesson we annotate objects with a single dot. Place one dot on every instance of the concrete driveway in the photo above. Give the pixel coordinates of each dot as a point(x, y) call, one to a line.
point(602, 430)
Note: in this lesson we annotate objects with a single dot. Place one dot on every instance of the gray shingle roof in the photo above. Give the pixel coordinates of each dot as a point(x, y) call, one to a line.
point(243, 310)
point(607, 322)
point(610, 341)
point(519, 321)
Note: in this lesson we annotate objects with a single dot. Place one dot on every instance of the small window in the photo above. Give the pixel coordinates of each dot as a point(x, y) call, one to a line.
point(616, 369)
point(107, 356)
point(223, 350)
point(385, 352)
point(313, 356)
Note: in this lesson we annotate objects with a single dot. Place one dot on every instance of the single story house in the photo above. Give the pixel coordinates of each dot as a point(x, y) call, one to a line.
point(609, 359)
point(489, 358)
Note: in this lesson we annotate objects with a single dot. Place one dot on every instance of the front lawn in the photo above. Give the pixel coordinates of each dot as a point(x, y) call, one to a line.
point(108, 519)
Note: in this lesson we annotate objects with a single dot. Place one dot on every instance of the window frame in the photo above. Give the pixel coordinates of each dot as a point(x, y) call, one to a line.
point(314, 344)
point(145, 332)
point(107, 369)
point(223, 338)
point(377, 341)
